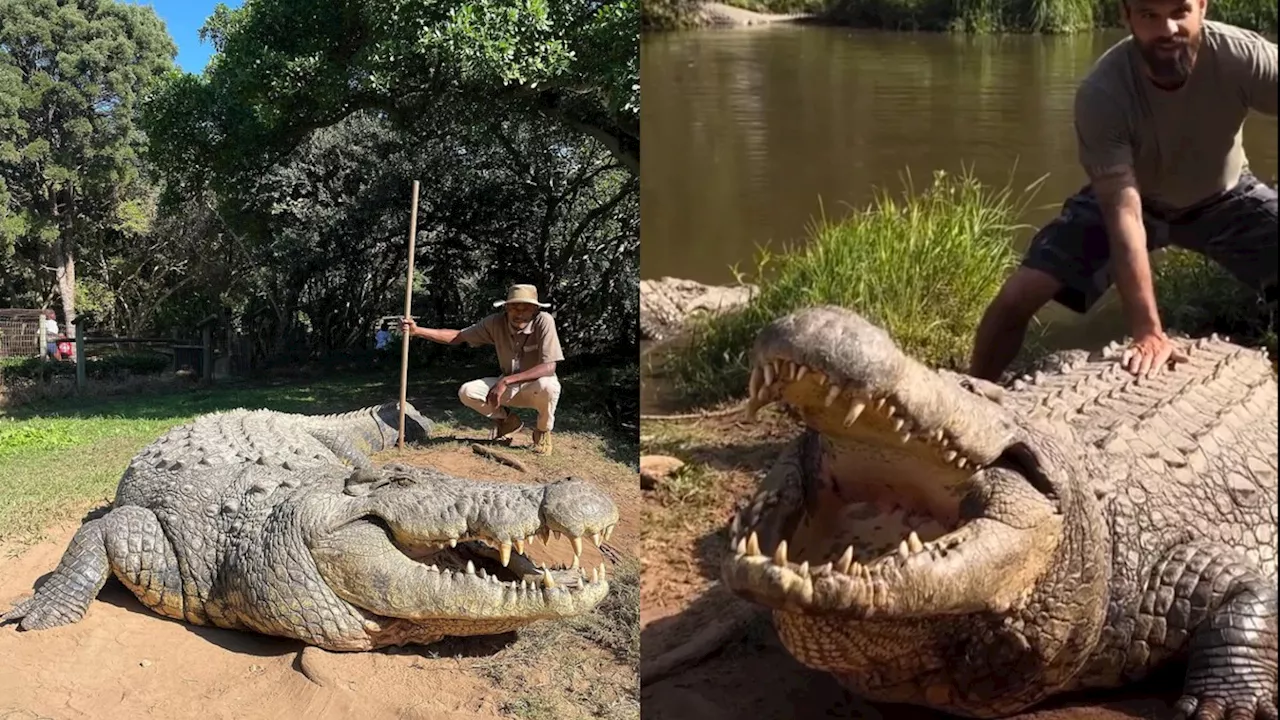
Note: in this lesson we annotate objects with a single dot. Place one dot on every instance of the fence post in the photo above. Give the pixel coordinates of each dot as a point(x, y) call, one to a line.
point(80, 371)
point(206, 348)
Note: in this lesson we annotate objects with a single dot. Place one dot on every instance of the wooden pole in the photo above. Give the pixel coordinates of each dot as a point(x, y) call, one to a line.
point(81, 374)
point(408, 312)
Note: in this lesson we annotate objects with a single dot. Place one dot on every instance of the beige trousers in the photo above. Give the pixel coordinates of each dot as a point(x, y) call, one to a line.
point(542, 395)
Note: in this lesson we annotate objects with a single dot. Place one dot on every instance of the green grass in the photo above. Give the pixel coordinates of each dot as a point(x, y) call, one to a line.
point(59, 456)
point(923, 265)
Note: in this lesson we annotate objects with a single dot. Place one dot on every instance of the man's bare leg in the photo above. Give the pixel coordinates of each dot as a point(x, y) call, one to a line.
point(1003, 328)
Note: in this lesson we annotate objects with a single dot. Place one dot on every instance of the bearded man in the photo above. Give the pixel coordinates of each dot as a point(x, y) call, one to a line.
point(1158, 124)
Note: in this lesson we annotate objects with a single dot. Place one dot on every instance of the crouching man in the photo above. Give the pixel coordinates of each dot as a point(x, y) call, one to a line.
point(528, 348)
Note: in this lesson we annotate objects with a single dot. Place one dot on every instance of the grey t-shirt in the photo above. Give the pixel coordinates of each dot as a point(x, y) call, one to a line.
point(1184, 145)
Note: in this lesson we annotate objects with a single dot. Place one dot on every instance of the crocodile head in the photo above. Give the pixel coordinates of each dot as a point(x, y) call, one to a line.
point(448, 557)
point(914, 523)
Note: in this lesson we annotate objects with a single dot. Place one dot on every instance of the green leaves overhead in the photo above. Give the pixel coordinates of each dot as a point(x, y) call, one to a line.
point(287, 67)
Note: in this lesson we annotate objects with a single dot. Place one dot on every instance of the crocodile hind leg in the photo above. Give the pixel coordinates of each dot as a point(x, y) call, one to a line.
point(128, 542)
point(1218, 602)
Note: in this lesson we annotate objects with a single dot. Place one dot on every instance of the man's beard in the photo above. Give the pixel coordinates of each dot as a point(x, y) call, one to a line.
point(1169, 69)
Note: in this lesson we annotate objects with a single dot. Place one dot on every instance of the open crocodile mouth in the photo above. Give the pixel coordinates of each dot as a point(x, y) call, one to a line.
point(505, 565)
point(884, 505)
point(476, 565)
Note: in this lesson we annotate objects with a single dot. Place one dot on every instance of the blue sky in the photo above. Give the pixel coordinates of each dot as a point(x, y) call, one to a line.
point(183, 19)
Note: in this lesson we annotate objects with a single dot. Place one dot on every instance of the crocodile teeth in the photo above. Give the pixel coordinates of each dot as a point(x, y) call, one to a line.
point(577, 545)
point(595, 538)
point(804, 569)
point(768, 374)
point(845, 561)
point(832, 393)
point(753, 544)
point(519, 545)
point(913, 542)
point(903, 551)
point(453, 542)
point(741, 546)
point(546, 579)
point(471, 568)
point(544, 534)
point(800, 372)
point(855, 410)
point(780, 555)
point(505, 551)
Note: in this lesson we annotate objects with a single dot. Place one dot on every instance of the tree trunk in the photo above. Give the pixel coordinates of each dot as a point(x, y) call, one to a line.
point(66, 273)
point(64, 264)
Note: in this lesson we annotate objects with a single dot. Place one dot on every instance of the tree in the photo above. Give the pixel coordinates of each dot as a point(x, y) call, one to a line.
point(284, 68)
point(72, 74)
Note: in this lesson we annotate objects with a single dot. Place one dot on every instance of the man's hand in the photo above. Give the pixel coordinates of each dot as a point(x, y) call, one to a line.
point(408, 326)
point(496, 392)
point(1149, 354)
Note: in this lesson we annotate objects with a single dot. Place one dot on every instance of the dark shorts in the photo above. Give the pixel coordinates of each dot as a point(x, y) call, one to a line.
point(1236, 230)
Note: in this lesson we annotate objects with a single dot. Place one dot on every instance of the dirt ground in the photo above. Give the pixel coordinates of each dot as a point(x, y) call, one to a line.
point(752, 674)
point(123, 661)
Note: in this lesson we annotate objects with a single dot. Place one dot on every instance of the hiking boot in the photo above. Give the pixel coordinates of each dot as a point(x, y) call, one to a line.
point(542, 442)
point(506, 426)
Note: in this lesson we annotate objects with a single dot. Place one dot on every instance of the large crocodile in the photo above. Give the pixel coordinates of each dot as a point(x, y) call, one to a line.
point(280, 524)
point(667, 304)
point(937, 541)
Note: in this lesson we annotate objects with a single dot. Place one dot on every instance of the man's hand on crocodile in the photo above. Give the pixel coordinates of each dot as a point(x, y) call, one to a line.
point(1150, 354)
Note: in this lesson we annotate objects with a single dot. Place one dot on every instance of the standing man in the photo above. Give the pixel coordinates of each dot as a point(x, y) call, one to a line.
point(1158, 126)
point(528, 348)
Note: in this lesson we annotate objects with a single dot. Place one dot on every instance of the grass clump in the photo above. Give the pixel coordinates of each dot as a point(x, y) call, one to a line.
point(1197, 297)
point(923, 266)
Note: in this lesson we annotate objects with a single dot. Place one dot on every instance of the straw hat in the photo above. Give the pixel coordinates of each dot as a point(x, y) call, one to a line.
point(521, 294)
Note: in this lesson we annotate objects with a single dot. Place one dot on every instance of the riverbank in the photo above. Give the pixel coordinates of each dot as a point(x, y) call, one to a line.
point(962, 16)
point(687, 14)
point(924, 265)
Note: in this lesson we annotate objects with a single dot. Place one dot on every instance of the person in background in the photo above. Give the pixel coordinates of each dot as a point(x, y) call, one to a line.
point(51, 336)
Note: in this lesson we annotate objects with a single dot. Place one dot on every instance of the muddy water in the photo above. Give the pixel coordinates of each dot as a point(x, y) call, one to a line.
point(751, 133)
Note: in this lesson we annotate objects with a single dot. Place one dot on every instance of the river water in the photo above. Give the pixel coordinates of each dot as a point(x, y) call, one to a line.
point(750, 133)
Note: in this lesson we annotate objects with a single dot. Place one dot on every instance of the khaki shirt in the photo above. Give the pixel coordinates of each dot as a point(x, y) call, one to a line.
point(537, 343)
point(1184, 145)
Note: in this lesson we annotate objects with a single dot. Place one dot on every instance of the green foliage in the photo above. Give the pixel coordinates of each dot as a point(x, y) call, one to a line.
point(669, 14)
point(285, 68)
point(923, 266)
point(98, 367)
point(71, 76)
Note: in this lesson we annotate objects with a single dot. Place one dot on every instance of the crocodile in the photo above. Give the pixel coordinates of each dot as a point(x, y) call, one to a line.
point(978, 549)
point(667, 304)
point(280, 524)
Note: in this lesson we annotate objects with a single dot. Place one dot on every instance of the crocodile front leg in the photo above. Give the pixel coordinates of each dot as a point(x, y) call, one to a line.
point(128, 542)
point(1211, 599)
